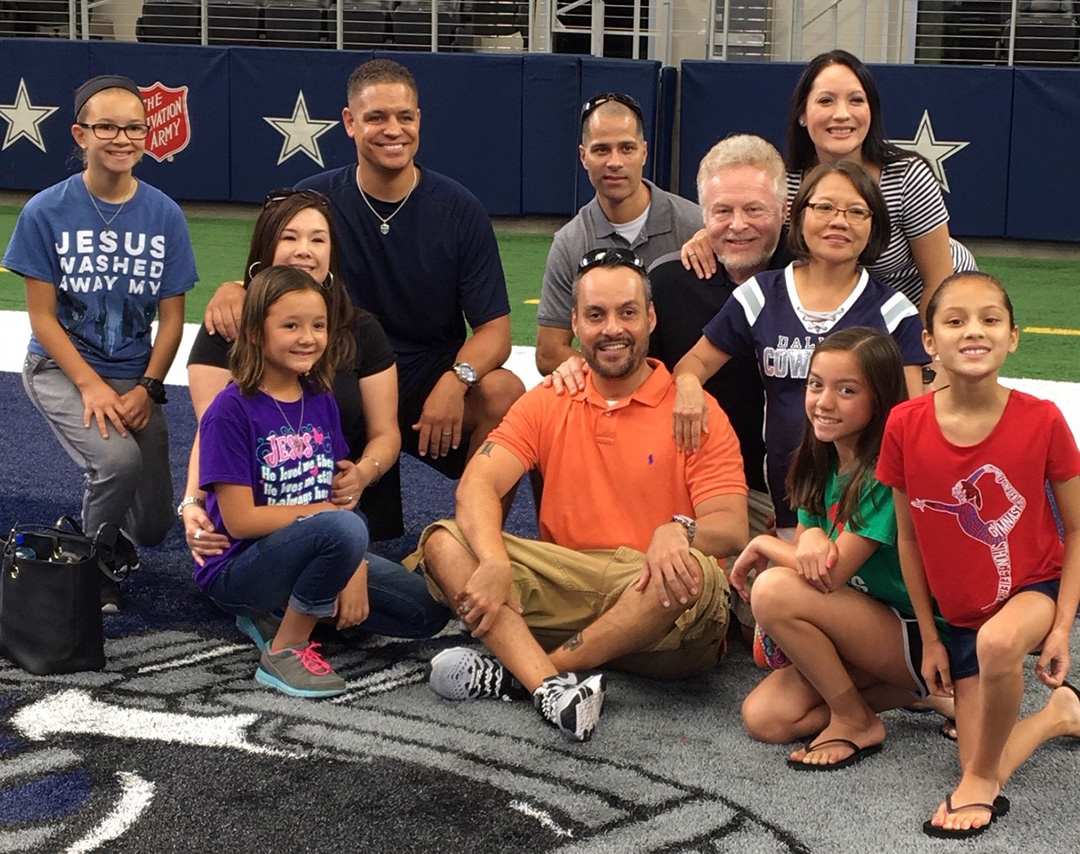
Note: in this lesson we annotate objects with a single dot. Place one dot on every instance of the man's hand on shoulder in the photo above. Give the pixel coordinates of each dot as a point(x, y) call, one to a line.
point(224, 309)
point(670, 570)
point(487, 590)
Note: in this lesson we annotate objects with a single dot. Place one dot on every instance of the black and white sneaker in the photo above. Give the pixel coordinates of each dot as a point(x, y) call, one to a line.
point(572, 704)
point(112, 600)
point(116, 552)
point(461, 673)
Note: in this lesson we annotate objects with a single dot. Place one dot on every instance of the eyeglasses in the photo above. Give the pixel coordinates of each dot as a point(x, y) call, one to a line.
point(615, 257)
point(107, 130)
point(594, 102)
point(275, 196)
point(826, 211)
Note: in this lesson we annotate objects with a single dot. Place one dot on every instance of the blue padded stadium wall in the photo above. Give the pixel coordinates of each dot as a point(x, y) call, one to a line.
point(231, 123)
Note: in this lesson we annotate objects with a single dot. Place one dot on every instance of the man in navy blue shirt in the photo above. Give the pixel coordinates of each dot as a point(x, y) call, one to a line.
point(417, 250)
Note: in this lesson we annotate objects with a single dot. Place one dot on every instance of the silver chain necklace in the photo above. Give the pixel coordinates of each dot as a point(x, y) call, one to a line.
point(295, 440)
point(384, 222)
point(108, 232)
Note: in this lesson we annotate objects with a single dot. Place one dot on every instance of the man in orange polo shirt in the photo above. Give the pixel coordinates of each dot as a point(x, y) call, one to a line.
point(625, 571)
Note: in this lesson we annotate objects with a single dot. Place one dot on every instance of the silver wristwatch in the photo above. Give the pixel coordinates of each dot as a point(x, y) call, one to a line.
point(689, 524)
point(189, 499)
point(466, 373)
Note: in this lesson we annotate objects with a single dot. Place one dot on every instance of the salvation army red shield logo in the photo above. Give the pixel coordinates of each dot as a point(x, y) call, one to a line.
point(167, 115)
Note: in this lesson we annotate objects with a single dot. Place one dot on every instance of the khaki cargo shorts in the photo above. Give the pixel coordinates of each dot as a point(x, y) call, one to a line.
point(562, 591)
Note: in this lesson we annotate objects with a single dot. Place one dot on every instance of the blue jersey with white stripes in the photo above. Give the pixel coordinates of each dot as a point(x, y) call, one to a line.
point(766, 320)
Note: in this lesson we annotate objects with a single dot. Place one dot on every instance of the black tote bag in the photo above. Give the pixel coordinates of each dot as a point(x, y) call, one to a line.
point(50, 597)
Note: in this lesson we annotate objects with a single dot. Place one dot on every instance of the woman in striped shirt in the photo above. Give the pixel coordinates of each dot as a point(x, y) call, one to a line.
point(836, 115)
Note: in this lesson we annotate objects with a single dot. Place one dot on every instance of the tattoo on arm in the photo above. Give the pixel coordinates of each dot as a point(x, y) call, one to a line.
point(574, 642)
point(486, 448)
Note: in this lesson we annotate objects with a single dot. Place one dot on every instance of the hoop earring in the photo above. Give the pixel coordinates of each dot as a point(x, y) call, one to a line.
point(253, 269)
point(328, 286)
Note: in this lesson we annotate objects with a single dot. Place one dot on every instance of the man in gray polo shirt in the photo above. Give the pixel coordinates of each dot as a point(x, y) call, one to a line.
point(627, 211)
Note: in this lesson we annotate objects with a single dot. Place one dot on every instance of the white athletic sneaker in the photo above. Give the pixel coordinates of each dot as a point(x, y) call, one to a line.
point(461, 673)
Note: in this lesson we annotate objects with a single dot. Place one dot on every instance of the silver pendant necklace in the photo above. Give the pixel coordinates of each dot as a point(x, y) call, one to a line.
point(295, 440)
point(384, 222)
point(107, 231)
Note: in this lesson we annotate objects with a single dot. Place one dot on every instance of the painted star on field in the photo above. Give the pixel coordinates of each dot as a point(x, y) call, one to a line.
point(301, 132)
point(24, 119)
point(936, 151)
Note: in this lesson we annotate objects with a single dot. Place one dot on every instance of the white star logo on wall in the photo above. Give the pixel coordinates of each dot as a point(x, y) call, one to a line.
point(301, 132)
point(936, 151)
point(24, 119)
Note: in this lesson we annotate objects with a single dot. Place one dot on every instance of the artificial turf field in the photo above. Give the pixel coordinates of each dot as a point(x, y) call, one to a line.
point(1044, 291)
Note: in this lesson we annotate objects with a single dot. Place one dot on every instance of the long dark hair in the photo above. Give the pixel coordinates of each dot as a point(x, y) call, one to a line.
point(876, 149)
point(883, 368)
point(246, 358)
point(865, 186)
point(278, 211)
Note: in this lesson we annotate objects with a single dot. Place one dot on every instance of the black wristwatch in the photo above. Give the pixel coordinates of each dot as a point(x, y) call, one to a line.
point(155, 388)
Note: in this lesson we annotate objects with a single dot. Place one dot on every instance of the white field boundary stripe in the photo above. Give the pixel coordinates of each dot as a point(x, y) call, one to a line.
point(15, 332)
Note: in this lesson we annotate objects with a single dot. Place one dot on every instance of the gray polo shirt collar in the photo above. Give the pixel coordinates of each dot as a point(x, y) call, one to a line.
point(661, 217)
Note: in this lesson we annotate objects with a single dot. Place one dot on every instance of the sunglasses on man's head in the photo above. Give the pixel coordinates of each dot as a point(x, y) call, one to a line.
point(627, 101)
point(276, 196)
point(615, 257)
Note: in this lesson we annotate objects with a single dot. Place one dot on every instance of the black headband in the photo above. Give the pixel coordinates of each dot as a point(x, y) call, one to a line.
point(105, 81)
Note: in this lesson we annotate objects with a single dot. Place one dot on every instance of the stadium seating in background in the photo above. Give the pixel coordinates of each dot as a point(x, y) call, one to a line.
point(235, 22)
point(39, 17)
point(1046, 33)
point(410, 24)
point(169, 22)
point(498, 17)
point(365, 24)
point(296, 23)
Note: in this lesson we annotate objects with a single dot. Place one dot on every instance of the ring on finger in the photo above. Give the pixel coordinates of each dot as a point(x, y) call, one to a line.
point(198, 534)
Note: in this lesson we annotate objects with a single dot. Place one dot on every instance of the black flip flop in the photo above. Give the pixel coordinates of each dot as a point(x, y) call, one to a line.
point(858, 755)
point(998, 809)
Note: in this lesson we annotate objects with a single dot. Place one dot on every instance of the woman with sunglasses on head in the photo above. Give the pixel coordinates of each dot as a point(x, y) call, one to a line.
point(839, 225)
point(835, 115)
point(295, 229)
point(103, 254)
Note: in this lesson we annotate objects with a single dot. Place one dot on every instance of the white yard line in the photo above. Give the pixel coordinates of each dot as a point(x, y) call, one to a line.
point(15, 332)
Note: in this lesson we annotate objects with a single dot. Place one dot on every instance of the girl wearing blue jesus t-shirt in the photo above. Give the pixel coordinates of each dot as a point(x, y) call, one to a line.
point(269, 447)
point(103, 254)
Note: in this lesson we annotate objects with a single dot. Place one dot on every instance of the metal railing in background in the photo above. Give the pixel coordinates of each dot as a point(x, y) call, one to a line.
point(972, 32)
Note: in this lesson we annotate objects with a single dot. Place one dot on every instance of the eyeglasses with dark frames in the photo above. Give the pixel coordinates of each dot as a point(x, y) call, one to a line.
point(597, 100)
point(107, 130)
point(614, 257)
point(276, 196)
point(827, 211)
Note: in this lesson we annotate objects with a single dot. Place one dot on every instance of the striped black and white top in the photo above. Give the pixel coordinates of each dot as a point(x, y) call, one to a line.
point(916, 207)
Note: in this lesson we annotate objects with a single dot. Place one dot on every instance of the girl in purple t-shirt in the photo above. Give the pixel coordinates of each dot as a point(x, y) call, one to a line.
point(269, 447)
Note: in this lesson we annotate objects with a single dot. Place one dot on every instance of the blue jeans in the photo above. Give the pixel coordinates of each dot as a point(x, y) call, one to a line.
point(309, 562)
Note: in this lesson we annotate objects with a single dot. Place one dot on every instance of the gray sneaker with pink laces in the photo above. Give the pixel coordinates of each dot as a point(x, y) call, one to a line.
point(300, 671)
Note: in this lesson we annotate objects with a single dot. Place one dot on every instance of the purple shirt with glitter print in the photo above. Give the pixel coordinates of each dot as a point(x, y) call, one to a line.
point(286, 455)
